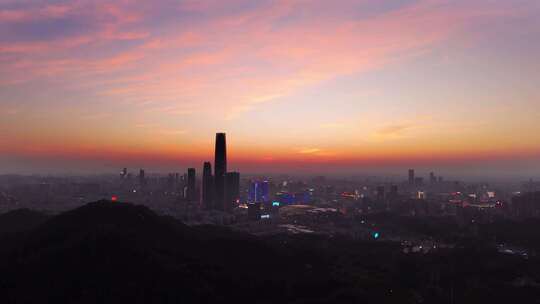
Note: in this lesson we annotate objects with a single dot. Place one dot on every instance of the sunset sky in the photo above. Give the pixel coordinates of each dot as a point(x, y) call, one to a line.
point(344, 86)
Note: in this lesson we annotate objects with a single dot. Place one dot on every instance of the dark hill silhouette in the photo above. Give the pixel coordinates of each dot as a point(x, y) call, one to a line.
point(107, 252)
point(20, 220)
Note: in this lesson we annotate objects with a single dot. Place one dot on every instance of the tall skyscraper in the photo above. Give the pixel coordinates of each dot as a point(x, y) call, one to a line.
point(411, 176)
point(207, 187)
point(232, 189)
point(191, 184)
point(220, 167)
point(258, 192)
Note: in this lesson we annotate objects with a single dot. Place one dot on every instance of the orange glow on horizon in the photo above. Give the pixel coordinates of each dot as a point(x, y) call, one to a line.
point(364, 83)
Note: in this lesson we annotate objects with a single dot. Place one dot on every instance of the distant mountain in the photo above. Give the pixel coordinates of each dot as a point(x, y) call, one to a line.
point(107, 252)
point(20, 220)
point(110, 252)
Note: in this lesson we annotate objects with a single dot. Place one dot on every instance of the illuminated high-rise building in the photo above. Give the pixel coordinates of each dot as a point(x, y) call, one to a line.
point(191, 185)
point(220, 169)
point(259, 192)
point(232, 190)
point(207, 187)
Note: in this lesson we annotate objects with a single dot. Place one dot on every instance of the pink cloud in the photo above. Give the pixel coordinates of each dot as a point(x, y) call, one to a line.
point(242, 59)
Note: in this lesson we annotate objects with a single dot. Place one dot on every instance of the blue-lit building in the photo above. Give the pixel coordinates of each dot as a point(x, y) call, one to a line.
point(285, 198)
point(259, 192)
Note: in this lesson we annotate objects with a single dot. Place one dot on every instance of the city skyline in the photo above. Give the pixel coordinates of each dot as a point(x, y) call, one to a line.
point(272, 151)
point(365, 87)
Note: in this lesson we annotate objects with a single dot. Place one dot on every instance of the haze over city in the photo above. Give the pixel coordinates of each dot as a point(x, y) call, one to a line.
point(346, 87)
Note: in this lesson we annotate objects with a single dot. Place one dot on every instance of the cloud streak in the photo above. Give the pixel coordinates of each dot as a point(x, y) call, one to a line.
point(243, 56)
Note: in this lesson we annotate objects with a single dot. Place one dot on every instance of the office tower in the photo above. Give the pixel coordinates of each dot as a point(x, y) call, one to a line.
point(207, 187)
point(220, 169)
point(432, 178)
point(411, 176)
point(253, 192)
point(142, 178)
point(232, 190)
point(265, 191)
point(191, 191)
point(258, 192)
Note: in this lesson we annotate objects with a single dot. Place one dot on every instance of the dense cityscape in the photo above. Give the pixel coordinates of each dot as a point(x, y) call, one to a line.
point(370, 208)
point(408, 240)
